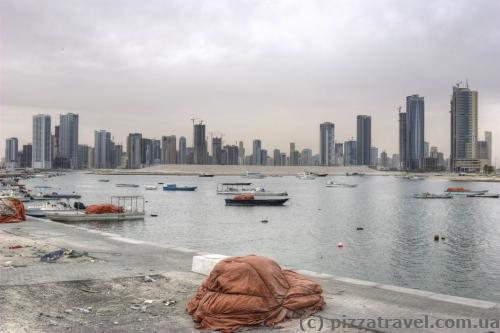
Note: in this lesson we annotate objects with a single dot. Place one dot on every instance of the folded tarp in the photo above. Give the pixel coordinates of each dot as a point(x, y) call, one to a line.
point(252, 291)
point(11, 210)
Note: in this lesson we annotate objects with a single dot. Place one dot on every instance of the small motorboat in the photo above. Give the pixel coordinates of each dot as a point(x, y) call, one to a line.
point(253, 175)
point(174, 187)
point(104, 180)
point(320, 174)
point(243, 188)
point(249, 200)
point(127, 185)
point(37, 210)
point(484, 195)
point(428, 195)
point(463, 191)
point(306, 176)
point(55, 195)
point(150, 187)
point(354, 174)
point(203, 174)
point(331, 183)
point(413, 177)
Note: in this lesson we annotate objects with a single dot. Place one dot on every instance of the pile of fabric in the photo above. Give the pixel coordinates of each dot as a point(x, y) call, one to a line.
point(252, 291)
point(103, 209)
point(11, 210)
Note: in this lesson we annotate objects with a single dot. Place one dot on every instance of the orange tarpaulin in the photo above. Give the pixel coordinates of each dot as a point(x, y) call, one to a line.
point(252, 291)
point(103, 209)
point(11, 210)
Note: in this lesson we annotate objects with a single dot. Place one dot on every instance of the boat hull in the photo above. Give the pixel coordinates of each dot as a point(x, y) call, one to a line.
point(257, 194)
point(181, 189)
point(467, 192)
point(82, 217)
point(256, 202)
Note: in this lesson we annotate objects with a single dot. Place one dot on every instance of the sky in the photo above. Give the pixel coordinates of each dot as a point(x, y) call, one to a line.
point(272, 70)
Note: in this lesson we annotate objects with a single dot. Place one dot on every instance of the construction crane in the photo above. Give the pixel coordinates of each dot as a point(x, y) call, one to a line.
point(194, 119)
point(399, 109)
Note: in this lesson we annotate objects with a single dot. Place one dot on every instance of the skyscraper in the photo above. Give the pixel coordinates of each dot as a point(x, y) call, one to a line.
point(169, 149)
point(146, 152)
point(276, 157)
point(292, 154)
point(83, 156)
point(11, 148)
point(256, 154)
point(102, 150)
point(464, 118)
point(41, 158)
point(182, 151)
point(373, 156)
point(402, 140)
point(306, 157)
point(263, 156)
point(350, 156)
point(27, 156)
point(241, 153)
point(156, 144)
point(488, 139)
point(199, 144)
point(68, 139)
point(134, 151)
point(339, 153)
point(327, 143)
point(363, 139)
point(216, 150)
point(414, 132)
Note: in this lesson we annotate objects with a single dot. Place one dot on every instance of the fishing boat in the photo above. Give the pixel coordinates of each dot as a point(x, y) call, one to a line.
point(331, 183)
point(306, 176)
point(150, 187)
point(55, 195)
point(127, 185)
point(121, 208)
point(39, 209)
point(245, 188)
point(463, 191)
point(428, 195)
point(484, 195)
point(253, 175)
point(203, 174)
point(250, 200)
point(174, 187)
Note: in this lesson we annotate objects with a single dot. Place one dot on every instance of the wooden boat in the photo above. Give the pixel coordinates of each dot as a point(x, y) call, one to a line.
point(127, 185)
point(427, 195)
point(484, 195)
point(174, 187)
point(249, 200)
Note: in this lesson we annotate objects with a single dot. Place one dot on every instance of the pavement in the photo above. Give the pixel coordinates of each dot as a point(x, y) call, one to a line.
point(115, 259)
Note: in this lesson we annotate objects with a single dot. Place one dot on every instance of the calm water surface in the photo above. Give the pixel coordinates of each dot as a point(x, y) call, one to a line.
point(395, 247)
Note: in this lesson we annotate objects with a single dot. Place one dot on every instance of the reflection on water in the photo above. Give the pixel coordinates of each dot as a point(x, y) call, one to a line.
point(396, 245)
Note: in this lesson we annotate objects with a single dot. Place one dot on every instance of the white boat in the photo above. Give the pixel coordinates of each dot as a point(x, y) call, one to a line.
point(413, 177)
point(132, 209)
point(427, 195)
point(331, 183)
point(150, 187)
point(306, 176)
point(245, 188)
point(127, 185)
point(23, 197)
point(254, 175)
point(38, 209)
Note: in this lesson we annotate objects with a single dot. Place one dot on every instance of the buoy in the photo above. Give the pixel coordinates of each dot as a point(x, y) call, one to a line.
point(436, 238)
point(340, 245)
point(264, 221)
point(360, 228)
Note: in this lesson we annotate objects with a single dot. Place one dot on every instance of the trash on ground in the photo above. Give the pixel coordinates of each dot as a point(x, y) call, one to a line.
point(15, 247)
point(148, 279)
point(252, 291)
point(169, 302)
point(76, 254)
point(52, 256)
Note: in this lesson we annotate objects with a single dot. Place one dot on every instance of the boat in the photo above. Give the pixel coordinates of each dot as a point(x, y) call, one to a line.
point(150, 187)
point(413, 177)
point(331, 183)
point(320, 174)
point(123, 208)
point(174, 187)
point(483, 195)
point(249, 200)
point(127, 185)
point(103, 180)
point(243, 188)
point(463, 191)
point(428, 195)
point(354, 174)
point(41, 210)
point(253, 175)
point(55, 195)
point(306, 176)
point(203, 174)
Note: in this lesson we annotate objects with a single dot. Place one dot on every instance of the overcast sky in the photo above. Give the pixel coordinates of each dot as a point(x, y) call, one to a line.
point(271, 70)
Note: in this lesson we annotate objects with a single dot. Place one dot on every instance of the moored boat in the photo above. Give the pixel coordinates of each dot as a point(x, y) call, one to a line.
point(463, 191)
point(250, 200)
point(174, 187)
point(331, 183)
point(150, 187)
point(244, 188)
point(483, 195)
point(306, 176)
point(254, 175)
point(428, 195)
point(127, 185)
point(103, 180)
point(203, 174)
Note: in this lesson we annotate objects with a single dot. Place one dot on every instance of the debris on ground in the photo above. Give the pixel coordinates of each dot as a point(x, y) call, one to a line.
point(148, 279)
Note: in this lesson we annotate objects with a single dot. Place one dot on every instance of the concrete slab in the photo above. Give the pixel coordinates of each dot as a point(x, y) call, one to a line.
point(205, 263)
point(404, 290)
point(357, 282)
point(464, 301)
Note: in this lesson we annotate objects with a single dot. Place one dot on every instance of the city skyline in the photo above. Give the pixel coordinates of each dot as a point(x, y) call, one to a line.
point(318, 63)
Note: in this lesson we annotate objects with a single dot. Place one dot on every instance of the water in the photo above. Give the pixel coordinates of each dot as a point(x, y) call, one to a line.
point(395, 247)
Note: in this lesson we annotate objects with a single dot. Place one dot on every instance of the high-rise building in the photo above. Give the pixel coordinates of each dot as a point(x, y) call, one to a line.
point(256, 154)
point(373, 156)
point(134, 151)
point(402, 140)
point(216, 150)
point(414, 132)
point(263, 156)
point(11, 149)
point(294, 155)
point(83, 156)
point(241, 153)
point(350, 156)
point(276, 157)
point(68, 139)
point(339, 154)
point(41, 157)
point(464, 121)
point(54, 147)
point(199, 144)
point(283, 159)
point(26, 156)
point(156, 145)
point(91, 157)
point(169, 149)
point(182, 151)
point(229, 155)
point(306, 157)
point(102, 150)
point(327, 143)
point(119, 158)
point(146, 152)
point(384, 160)
point(489, 142)
point(363, 139)
point(426, 149)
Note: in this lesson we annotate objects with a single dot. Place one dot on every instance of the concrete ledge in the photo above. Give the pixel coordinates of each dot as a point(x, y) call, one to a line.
point(464, 301)
point(357, 282)
point(403, 290)
point(205, 263)
point(313, 274)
